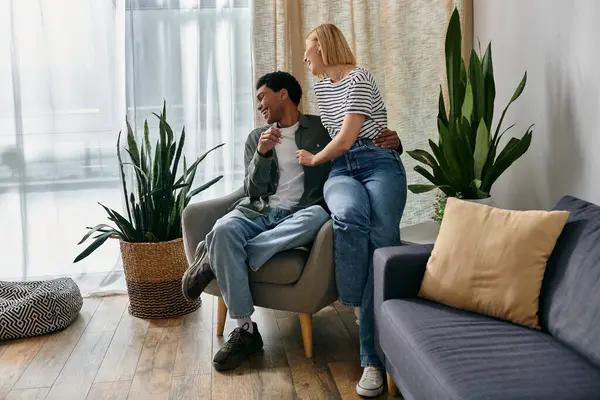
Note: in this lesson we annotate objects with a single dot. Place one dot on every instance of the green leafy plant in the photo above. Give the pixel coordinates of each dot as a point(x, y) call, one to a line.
point(467, 159)
point(440, 207)
point(154, 214)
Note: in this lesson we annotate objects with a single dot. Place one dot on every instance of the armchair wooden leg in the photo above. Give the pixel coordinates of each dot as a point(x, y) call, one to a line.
point(221, 316)
point(306, 325)
point(392, 388)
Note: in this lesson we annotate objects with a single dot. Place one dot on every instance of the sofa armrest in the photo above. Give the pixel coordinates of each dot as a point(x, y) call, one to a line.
point(398, 271)
point(397, 274)
point(199, 218)
point(318, 277)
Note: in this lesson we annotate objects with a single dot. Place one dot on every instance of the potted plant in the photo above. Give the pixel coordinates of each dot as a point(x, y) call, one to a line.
point(150, 234)
point(467, 159)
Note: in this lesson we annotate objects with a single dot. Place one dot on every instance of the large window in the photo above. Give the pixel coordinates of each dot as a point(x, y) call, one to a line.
point(70, 71)
point(197, 56)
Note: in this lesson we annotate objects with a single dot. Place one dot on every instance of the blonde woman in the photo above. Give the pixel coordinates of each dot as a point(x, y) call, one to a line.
point(366, 189)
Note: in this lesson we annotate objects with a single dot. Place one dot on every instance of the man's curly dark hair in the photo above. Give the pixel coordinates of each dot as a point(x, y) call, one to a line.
point(282, 80)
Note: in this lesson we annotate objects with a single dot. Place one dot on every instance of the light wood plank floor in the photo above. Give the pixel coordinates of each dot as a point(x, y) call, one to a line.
point(108, 354)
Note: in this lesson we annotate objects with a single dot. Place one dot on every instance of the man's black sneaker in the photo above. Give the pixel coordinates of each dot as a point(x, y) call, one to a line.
point(198, 275)
point(241, 345)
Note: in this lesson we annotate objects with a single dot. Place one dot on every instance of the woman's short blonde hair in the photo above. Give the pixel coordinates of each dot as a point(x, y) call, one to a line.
point(334, 47)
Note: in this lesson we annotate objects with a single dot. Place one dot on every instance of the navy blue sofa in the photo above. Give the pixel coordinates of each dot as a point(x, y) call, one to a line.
point(432, 351)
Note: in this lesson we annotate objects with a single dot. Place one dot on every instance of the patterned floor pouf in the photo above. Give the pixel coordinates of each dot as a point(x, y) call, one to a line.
point(38, 307)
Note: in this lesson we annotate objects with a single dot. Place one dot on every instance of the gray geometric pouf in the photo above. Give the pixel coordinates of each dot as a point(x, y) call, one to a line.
point(38, 307)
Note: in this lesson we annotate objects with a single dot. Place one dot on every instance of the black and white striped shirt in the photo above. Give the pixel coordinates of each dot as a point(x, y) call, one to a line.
point(356, 93)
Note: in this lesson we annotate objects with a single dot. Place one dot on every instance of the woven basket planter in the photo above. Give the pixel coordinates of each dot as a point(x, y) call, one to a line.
point(153, 273)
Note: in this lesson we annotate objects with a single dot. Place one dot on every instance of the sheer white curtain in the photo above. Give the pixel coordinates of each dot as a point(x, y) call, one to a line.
point(196, 55)
point(70, 71)
point(61, 103)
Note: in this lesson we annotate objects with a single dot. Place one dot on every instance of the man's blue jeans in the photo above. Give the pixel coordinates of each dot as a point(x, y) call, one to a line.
point(366, 194)
point(237, 243)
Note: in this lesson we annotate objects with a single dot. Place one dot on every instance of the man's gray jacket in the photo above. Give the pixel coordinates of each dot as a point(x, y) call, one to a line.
point(262, 173)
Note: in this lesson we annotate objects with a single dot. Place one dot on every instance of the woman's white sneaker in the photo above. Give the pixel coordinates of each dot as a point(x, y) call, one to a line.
point(371, 382)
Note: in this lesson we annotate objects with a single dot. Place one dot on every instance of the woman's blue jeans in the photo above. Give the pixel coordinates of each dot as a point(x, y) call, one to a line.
point(366, 194)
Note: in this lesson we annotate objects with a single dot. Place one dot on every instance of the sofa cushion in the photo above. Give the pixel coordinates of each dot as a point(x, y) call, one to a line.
point(438, 352)
point(570, 298)
point(492, 261)
point(282, 269)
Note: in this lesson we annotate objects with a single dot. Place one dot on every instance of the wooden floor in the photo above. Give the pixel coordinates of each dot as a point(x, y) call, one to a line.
point(108, 354)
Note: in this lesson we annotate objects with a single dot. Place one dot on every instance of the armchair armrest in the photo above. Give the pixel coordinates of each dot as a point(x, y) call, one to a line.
point(199, 218)
point(398, 271)
point(318, 277)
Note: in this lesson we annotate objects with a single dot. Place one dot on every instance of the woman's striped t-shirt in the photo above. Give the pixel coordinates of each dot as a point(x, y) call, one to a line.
point(356, 93)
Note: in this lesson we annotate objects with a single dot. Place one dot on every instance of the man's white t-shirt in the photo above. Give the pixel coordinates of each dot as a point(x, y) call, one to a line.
point(291, 173)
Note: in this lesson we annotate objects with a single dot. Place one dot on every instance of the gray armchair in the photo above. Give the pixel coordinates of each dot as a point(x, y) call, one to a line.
point(294, 280)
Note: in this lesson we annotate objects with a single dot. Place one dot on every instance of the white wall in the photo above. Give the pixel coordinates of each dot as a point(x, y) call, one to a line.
point(558, 43)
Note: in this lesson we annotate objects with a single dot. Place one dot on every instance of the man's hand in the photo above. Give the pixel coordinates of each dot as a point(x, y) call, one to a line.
point(268, 139)
point(305, 158)
point(387, 139)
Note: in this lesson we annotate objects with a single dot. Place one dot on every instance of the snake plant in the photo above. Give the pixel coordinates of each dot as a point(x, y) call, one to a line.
point(467, 159)
point(161, 193)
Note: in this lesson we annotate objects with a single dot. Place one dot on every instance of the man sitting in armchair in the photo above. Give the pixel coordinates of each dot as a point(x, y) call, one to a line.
point(283, 209)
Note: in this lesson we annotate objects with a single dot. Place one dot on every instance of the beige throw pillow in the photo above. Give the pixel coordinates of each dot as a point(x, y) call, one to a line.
point(492, 261)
